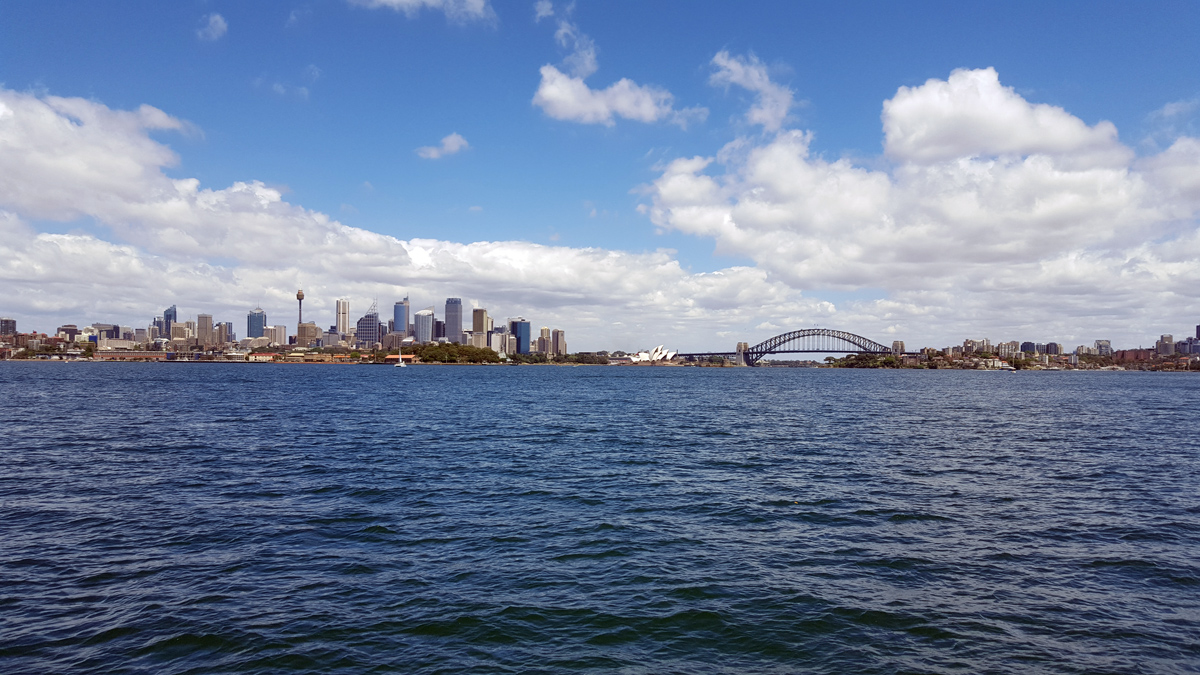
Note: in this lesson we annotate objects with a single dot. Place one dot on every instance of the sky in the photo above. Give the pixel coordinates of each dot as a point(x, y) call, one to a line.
point(690, 174)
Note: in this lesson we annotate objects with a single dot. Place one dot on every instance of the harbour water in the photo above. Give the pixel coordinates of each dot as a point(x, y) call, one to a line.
point(194, 518)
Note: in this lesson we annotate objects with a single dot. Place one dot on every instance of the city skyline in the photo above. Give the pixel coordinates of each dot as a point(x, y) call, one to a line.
point(748, 171)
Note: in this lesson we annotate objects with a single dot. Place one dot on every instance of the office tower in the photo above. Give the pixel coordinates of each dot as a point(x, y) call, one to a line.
point(545, 337)
point(400, 316)
point(479, 321)
point(68, 331)
point(230, 336)
point(454, 320)
point(559, 343)
point(256, 322)
point(170, 316)
point(1053, 348)
point(423, 326)
point(179, 331)
point(439, 329)
point(141, 335)
point(276, 334)
point(1028, 347)
point(1198, 332)
point(331, 338)
point(8, 326)
point(307, 334)
point(519, 327)
point(1104, 347)
point(221, 333)
point(367, 331)
point(342, 321)
point(1165, 345)
point(204, 329)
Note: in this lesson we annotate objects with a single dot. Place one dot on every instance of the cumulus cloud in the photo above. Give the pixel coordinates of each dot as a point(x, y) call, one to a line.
point(773, 102)
point(971, 114)
point(449, 146)
point(212, 27)
point(542, 9)
point(225, 250)
point(998, 214)
point(460, 11)
point(565, 95)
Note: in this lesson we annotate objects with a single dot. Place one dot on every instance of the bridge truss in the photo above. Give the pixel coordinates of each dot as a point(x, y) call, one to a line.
point(805, 341)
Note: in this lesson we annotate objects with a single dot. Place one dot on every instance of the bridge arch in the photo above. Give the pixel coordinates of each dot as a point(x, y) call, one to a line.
point(814, 340)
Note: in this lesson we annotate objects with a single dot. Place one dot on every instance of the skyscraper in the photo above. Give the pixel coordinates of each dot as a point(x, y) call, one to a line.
point(479, 321)
point(343, 316)
point(170, 316)
point(423, 326)
point(367, 331)
point(559, 343)
point(400, 316)
point(519, 327)
point(454, 325)
point(204, 329)
point(256, 322)
point(8, 326)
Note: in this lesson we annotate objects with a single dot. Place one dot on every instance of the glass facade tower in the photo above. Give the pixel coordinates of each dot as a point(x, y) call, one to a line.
point(454, 325)
point(400, 317)
point(256, 323)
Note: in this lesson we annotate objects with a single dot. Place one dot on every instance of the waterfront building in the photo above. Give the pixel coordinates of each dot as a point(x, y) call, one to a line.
point(342, 320)
point(256, 322)
point(558, 343)
point(204, 330)
point(1104, 348)
point(454, 325)
point(423, 326)
point(519, 327)
point(8, 326)
point(400, 317)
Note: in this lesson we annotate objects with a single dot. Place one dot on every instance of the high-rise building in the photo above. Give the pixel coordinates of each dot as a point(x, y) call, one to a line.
point(342, 321)
point(1165, 345)
point(1054, 348)
point(400, 317)
point(439, 329)
point(423, 326)
point(277, 334)
point(8, 326)
point(519, 327)
point(1028, 347)
point(204, 330)
point(170, 316)
point(221, 333)
point(1103, 348)
point(479, 321)
point(368, 330)
point(256, 322)
point(559, 343)
point(307, 334)
point(454, 326)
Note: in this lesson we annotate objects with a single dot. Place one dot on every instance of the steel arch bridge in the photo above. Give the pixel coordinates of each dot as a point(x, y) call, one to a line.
point(805, 341)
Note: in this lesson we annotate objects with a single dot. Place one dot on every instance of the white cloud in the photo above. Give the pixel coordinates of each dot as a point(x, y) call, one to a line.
point(542, 9)
point(449, 146)
point(226, 250)
point(774, 101)
point(971, 114)
point(999, 215)
point(565, 95)
point(460, 11)
point(212, 27)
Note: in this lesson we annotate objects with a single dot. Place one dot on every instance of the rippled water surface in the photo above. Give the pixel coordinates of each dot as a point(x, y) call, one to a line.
point(191, 518)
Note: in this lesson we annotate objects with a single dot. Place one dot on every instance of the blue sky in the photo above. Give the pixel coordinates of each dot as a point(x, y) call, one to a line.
point(329, 102)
